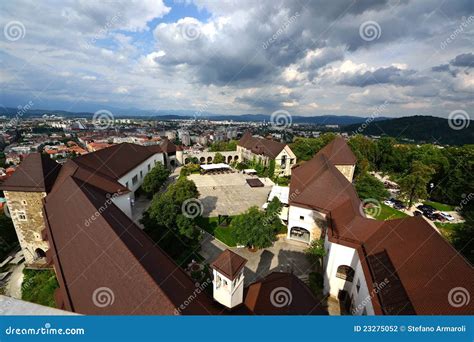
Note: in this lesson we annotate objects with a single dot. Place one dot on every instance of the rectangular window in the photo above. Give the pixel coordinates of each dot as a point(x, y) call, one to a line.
point(135, 179)
point(149, 167)
point(21, 216)
point(141, 174)
point(302, 218)
point(358, 285)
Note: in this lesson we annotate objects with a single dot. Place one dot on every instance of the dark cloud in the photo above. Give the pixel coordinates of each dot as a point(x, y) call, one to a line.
point(463, 60)
point(390, 75)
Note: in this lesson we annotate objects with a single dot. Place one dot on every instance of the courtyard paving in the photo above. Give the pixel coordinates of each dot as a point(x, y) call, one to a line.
point(229, 194)
point(283, 256)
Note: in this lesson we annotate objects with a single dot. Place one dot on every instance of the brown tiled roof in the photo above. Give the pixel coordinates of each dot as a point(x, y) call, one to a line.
point(167, 146)
point(229, 264)
point(37, 172)
point(338, 152)
point(117, 160)
point(319, 184)
point(111, 256)
point(426, 264)
point(281, 294)
point(421, 265)
point(391, 292)
point(261, 146)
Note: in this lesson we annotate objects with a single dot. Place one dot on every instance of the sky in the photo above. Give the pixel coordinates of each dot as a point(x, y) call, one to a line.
point(308, 57)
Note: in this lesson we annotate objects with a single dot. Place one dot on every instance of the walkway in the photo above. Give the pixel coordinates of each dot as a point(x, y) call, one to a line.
point(283, 256)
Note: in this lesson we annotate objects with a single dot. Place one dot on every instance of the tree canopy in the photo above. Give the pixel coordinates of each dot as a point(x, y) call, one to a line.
point(155, 178)
point(252, 230)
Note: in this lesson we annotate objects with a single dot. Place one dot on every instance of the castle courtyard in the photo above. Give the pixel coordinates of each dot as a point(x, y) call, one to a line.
point(229, 193)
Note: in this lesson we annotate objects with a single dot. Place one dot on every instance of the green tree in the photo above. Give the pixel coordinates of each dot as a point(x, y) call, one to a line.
point(272, 215)
point(315, 253)
point(413, 186)
point(8, 238)
point(251, 230)
point(271, 168)
point(463, 236)
point(368, 186)
point(219, 158)
point(155, 178)
point(171, 223)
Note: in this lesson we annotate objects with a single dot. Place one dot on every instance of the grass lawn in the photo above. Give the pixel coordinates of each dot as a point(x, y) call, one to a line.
point(38, 287)
point(224, 234)
point(389, 213)
point(439, 206)
point(447, 229)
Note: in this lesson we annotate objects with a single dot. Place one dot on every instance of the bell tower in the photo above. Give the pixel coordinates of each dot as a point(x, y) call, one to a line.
point(228, 282)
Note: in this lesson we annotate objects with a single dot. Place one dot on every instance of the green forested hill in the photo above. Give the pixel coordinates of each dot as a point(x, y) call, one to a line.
point(419, 128)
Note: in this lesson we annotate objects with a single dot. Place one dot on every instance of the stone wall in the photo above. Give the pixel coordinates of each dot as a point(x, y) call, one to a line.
point(347, 171)
point(28, 230)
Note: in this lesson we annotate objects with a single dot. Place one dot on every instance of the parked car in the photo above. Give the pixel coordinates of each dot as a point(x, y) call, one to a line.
point(447, 216)
point(426, 208)
point(417, 213)
point(439, 217)
point(388, 202)
point(429, 216)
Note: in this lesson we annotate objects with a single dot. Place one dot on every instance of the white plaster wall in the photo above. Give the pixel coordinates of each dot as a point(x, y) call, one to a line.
point(229, 296)
point(286, 170)
point(309, 223)
point(362, 299)
point(338, 255)
point(124, 203)
point(157, 157)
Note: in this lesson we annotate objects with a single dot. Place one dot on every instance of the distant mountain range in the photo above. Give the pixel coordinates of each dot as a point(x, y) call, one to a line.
point(421, 129)
point(186, 114)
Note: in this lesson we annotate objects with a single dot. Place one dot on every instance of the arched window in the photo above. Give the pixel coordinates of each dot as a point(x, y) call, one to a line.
point(345, 272)
point(40, 253)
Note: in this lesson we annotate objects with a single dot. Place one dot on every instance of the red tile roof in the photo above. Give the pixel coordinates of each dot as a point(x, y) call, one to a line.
point(261, 146)
point(338, 153)
point(36, 173)
point(229, 264)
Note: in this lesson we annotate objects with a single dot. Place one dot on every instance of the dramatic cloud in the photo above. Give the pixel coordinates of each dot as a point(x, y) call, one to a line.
point(310, 58)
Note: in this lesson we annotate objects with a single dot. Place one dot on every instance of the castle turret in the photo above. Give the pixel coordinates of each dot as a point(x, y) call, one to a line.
point(24, 192)
point(228, 283)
